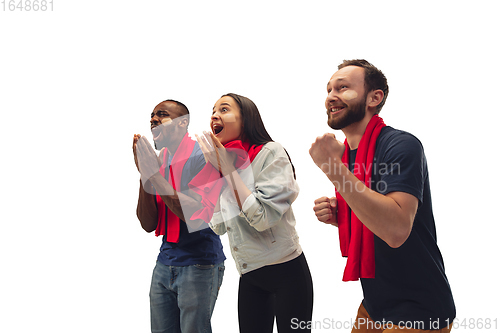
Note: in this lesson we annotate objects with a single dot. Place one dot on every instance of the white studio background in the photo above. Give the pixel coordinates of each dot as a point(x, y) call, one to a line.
point(77, 81)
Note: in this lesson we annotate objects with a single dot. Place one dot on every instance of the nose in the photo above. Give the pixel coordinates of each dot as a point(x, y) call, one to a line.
point(154, 120)
point(331, 98)
point(215, 116)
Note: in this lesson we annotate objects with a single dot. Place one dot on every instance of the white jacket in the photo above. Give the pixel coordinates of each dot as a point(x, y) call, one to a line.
point(263, 231)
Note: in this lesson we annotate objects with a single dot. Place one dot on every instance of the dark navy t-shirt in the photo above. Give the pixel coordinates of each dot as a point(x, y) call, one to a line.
point(410, 284)
point(201, 247)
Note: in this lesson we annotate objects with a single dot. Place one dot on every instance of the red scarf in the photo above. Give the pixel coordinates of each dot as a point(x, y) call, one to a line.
point(356, 240)
point(209, 182)
point(174, 177)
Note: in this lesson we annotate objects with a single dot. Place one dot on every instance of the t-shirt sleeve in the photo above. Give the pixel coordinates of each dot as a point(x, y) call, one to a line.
point(195, 164)
point(198, 163)
point(403, 167)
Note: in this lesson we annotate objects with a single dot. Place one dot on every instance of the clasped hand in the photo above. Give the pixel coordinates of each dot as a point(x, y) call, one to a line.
point(146, 159)
point(216, 154)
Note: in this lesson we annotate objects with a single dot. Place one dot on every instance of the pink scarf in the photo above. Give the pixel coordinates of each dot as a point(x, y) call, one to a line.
point(181, 155)
point(209, 182)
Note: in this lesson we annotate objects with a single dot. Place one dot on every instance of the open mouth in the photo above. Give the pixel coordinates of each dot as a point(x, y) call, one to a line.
point(156, 130)
point(216, 128)
point(336, 109)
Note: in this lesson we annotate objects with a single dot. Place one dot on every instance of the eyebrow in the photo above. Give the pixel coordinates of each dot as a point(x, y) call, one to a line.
point(158, 111)
point(225, 103)
point(336, 81)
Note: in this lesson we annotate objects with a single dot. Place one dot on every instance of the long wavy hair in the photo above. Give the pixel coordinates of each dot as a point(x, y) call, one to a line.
point(254, 130)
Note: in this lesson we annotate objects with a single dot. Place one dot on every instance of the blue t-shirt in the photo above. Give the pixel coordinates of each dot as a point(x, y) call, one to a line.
point(410, 284)
point(201, 247)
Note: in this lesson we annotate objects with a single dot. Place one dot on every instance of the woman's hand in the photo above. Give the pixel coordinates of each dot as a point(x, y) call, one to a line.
point(215, 153)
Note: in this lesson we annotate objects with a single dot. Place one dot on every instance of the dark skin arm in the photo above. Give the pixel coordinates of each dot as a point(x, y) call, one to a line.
point(146, 209)
point(146, 205)
point(178, 203)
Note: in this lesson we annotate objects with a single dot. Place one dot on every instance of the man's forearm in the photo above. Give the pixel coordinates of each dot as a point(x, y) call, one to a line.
point(146, 208)
point(180, 204)
point(382, 214)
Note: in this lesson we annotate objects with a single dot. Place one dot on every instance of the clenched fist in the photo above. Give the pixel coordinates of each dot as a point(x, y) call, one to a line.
point(326, 210)
point(326, 152)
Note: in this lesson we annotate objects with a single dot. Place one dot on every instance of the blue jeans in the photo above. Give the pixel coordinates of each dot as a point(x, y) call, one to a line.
point(182, 298)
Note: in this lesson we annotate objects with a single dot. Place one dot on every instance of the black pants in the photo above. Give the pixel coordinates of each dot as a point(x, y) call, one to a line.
point(284, 291)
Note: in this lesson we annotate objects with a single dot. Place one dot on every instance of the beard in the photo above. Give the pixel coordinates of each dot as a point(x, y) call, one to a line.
point(351, 114)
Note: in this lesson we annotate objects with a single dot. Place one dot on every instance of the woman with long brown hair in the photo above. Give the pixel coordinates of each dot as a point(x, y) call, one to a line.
point(252, 204)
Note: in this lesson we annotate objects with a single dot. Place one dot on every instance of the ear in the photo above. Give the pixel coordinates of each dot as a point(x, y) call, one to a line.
point(183, 122)
point(374, 98)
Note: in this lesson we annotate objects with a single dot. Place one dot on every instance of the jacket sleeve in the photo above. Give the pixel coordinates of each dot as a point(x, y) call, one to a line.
point(275, 190)
point(217, 224)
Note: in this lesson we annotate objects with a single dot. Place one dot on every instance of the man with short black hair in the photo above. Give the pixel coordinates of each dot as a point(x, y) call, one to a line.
point(190, 267)
point(382, 208)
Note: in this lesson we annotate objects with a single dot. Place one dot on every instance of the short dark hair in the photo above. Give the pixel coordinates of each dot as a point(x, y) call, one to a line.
point(374, 78)
point(184, 110)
